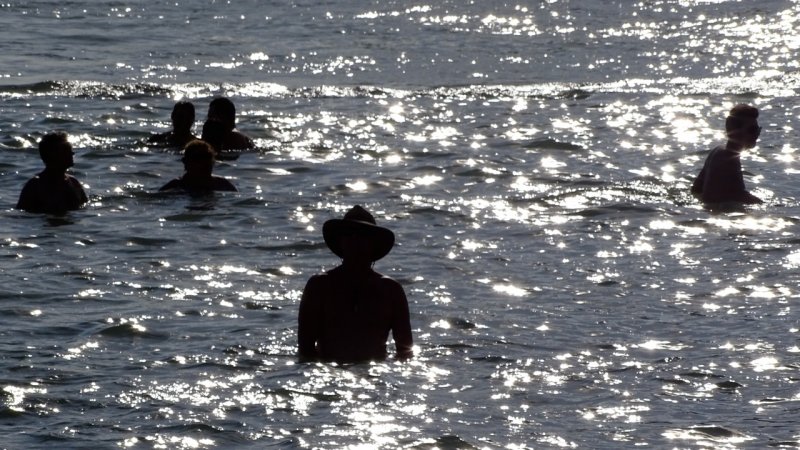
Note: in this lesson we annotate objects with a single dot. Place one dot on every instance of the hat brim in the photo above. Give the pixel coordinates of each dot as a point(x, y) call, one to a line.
point(382, 238)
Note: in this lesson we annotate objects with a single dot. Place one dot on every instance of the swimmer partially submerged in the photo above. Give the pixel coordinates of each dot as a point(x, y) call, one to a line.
point(721, 180)
point(53, 191)
point(198, 162)
point(347, 313)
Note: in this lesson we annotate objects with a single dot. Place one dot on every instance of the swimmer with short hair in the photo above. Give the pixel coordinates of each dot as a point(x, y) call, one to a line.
point(182, 122)
point(52, 190)
point(198, 162)
point(223, 110)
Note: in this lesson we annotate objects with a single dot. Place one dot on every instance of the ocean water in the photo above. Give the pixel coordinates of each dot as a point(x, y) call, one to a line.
point(533, 159)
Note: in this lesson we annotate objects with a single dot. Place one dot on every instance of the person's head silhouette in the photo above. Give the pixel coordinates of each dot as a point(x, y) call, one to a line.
point(198, 158)
point(182, 116)
point(222, 109)
point(56, 152)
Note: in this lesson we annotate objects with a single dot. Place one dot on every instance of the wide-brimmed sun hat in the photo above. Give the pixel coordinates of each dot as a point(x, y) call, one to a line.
point(358, 220)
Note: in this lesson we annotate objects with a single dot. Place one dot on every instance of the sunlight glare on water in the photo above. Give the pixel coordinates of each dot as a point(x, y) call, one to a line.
point(534, 161)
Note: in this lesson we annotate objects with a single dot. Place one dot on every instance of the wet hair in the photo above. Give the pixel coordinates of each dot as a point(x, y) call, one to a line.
point(184, 107)
point(223, 110)
point(51, 142)
point(214, 133)
point(741, 116)
point(199, 151)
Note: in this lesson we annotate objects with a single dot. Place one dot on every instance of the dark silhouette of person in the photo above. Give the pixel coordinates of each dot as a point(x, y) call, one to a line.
point(720, 180)
point(198, 163)
point(182, 122)
point(52, 190)
point(214, 133)
point(222, 109)
point(346, 313)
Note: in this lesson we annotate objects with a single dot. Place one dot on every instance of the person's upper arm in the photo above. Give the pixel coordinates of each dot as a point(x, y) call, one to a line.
point(27, 197)
point(697, 186)
point(78, 186)
point(309, 318)
point(401, 322)
point(229, 186)
point(172, 184)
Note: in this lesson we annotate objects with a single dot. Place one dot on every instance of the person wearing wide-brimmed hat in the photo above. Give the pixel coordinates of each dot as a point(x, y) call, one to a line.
point(347, 313)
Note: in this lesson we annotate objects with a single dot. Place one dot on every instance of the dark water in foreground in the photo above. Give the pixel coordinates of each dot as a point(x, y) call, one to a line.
point(533, 161)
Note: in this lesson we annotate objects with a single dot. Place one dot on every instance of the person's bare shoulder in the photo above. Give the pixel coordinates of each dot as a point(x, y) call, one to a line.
point(223, 184)
point(318, 280)
point(240, 141)
point(172, 184)
point(29, 196)
point(390, 286)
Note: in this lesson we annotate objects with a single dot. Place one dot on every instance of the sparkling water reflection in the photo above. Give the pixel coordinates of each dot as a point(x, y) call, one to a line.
point(533, 160)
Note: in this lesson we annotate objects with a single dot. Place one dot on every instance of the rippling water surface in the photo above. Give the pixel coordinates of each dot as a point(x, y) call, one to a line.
point(533, 160)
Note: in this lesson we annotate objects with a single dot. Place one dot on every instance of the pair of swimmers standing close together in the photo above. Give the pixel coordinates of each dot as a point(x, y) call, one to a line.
point(347, 313)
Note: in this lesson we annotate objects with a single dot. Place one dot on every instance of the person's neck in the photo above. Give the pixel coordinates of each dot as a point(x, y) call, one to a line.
point(734, 146)
point(182, 132)
point(52, 173)
point(353, 267)
point(197, 178)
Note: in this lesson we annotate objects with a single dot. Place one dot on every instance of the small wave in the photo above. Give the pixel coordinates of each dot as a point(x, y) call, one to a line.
point(541, 90)
point(695, 374)
point(616, 208)
point(493, 359)
point(85, 89)
point(295, 246)
point(322, 396)
point(183, 217)
point(577, 94)
point(323, 92)
point(211, 364)
point(447, 441)
point(8, 413)
point(456, 346)
point(193, 428)
point(784, 444)
point(729, 385)
point(150, 242)
point(716, 431)
point(129, 330)
point(552, 144)
point(461, 324)
point(261, 306)
point(773, 400)
point(677, 381)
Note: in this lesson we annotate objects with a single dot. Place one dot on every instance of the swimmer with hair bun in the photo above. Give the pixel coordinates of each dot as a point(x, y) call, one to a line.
point(720, 180)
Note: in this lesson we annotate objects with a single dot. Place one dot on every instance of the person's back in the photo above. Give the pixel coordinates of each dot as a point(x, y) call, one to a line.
point(52, 190)
point(214, 134)
point(721, 180)
point(352, 317)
